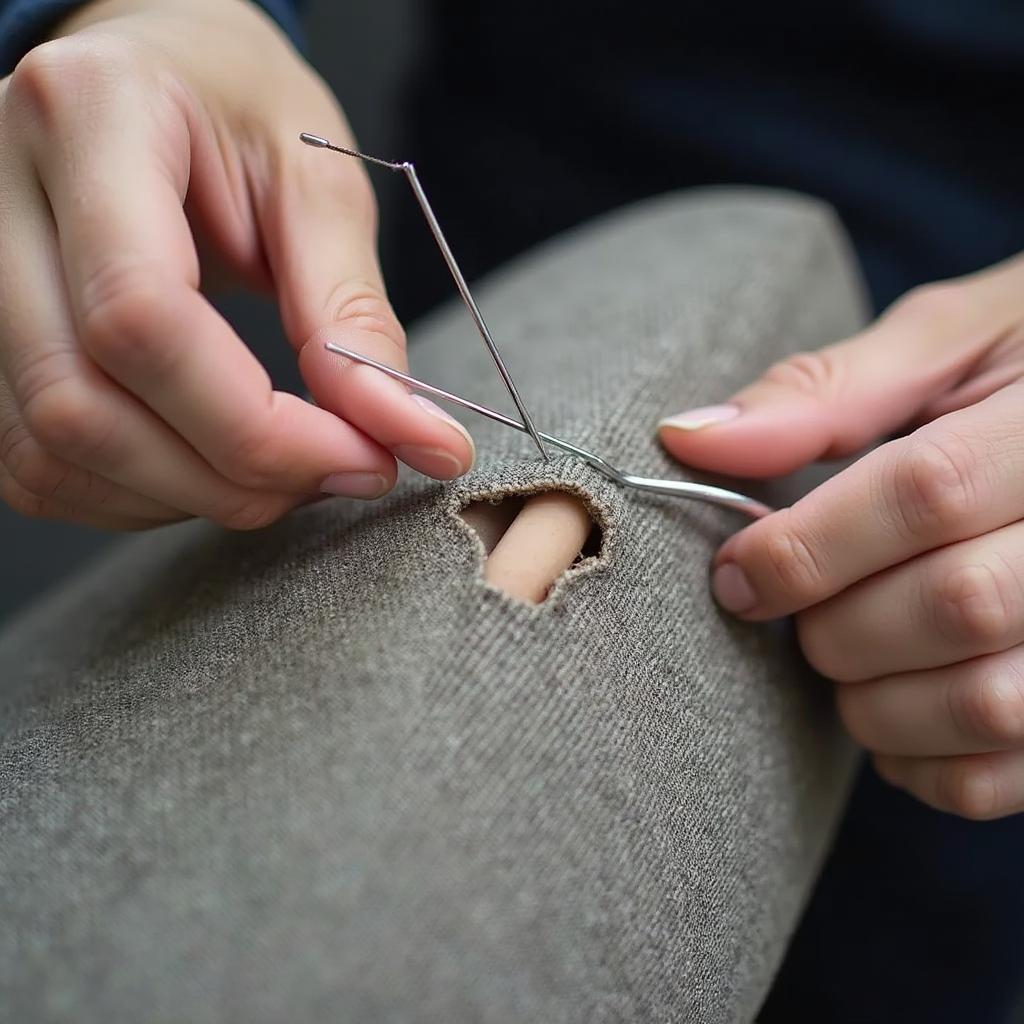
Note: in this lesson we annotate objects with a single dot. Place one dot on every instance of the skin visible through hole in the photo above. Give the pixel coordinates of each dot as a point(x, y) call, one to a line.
point(539, 544)
point(490, 521)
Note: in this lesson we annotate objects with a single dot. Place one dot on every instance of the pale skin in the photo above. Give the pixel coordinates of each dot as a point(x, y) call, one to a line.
point(528, 551)
point(150, 148)
point(906, 570)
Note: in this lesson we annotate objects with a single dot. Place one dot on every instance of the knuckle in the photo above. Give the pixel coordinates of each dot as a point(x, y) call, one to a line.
point(31, 468)
point(794, 566)
point(15, 446)
point(36, 368)
point(990, 707)
point(36, 79)
point(811, 373)
point(20, 501)
point(34, 470)
point(969, 788)
point(933, 487)
point(973, 607)
point(64, 417)
point(121, 306)
point(253, 513)
point(59, 71)
point(362, 307)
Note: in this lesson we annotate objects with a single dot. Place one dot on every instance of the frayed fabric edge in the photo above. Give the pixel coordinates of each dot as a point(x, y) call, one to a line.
point(564, 477)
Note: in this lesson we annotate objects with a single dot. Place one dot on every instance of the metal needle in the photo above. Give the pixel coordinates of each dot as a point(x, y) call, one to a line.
point(467, 296)
point(653, 485)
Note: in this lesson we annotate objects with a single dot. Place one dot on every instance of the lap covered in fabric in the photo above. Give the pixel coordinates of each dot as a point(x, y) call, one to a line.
point(327, 772)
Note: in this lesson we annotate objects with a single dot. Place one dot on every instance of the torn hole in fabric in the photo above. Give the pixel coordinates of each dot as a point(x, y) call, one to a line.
point(532, 542)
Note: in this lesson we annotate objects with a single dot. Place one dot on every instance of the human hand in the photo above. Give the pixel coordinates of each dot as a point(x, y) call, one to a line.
point(154, 138)
point(905, 570)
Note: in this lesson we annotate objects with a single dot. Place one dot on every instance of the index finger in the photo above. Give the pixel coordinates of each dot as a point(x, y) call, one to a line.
point(132, 276)
point(320, 232)
point(955, 478)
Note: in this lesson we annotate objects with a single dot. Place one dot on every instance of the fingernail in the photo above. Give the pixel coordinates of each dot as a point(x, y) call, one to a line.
point(732, 589)
point(355, 485)
point(435, 410)
point(434, 462)
point(697, 419)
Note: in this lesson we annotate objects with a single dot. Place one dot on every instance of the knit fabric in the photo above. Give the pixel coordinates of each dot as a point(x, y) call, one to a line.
point(325, 772)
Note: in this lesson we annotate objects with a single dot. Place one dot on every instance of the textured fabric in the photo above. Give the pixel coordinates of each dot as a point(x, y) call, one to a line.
point(24, 23)
point(867, 105)
point(325, 772)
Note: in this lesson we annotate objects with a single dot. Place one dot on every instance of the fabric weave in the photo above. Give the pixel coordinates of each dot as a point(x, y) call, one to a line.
point(325, 772)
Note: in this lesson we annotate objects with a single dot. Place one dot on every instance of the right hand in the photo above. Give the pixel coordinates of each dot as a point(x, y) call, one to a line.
point(154, 138)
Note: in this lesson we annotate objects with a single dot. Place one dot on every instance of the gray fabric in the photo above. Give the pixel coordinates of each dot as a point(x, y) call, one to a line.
point(326, 773)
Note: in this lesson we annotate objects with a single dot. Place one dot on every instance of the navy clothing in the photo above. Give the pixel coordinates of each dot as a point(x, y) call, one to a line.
point(527, 118)
point(918, 918)
point(904, 114)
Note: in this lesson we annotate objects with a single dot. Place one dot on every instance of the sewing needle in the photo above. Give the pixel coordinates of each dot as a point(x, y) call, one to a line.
point(449, 257)
point(653, 485)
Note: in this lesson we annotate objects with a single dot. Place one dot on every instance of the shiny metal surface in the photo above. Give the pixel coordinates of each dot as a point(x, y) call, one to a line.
point(652, 485)
point(467, 296)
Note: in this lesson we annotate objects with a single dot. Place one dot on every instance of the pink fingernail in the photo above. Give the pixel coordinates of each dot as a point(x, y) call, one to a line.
point(698, 419)
point(435, 462)
point(732, 589)
point(435, 410)
point(356, 485)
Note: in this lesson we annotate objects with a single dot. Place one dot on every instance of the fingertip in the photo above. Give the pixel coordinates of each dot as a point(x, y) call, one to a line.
point(727, 551)
point(732, 589)
point(702, 418)
point(414, 429)
point(756, 447)
point(362, 485)
point(454, 458)
point(433, 462)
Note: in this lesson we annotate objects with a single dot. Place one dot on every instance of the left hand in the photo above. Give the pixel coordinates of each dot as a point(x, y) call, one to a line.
point(147, 147)
point(905, 570)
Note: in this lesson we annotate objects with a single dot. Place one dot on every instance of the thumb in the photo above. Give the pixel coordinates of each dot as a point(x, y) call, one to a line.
point(319, 226)
point(837, 400)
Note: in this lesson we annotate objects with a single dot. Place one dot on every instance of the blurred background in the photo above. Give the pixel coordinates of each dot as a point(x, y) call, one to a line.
point(379, 41)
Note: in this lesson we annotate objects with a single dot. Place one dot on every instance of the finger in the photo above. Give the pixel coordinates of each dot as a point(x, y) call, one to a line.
point(944, 607)
point(132, 277)
point(835, 401)
point(970, 708)
point(976, 786)
point(540, 544)
point(78, 414)
point(25, 503)
point(319, 222)
point(957, 478)
point(46, 477)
